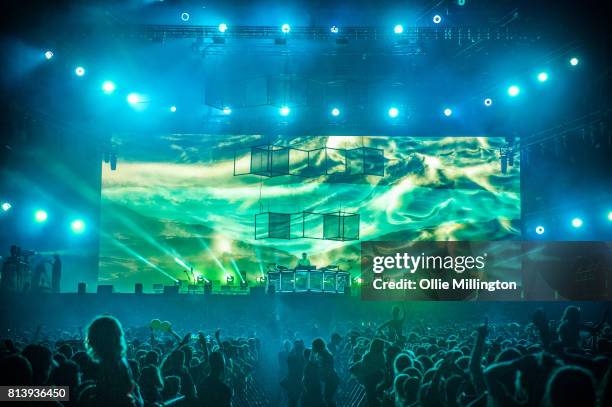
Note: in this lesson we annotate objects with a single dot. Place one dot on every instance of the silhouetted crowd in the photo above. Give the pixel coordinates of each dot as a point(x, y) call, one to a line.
point(398, 363)
point(106, 370)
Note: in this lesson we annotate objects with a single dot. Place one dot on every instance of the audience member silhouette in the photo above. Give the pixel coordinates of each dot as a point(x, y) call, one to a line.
point(213, 392)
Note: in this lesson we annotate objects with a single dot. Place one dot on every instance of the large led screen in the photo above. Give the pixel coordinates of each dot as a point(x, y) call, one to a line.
point(175, 210)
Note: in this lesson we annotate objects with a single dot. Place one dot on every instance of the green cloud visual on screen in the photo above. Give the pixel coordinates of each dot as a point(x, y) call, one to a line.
point(177, 201)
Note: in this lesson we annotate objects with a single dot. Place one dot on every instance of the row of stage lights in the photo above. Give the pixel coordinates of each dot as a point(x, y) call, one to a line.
point(136, 99)
point(77, 225)
point(334, 29)
point(576, 223)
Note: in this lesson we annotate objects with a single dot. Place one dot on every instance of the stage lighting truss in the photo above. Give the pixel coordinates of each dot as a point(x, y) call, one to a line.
point(272, 41)
point(338, 226)
point(468, 34)
point(269, 160)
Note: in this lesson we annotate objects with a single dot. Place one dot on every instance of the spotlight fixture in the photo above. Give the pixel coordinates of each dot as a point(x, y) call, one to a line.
point(358, 280)
point(574, 61)
point(173, 109)
point(285, 28)
point(77, 226)
point(79, 71)
point(261, 279)
point(48, 54)
point(514, 90)
point(542, 77)
point(539, 230)
point(222, 27)
point(335, 112)
point(393, 112)
point(7, 206)
point(134, 98)
point(284, 111)
point(398, 29)
point(40, 216)
point(488, 102)
point(229, 279)
point(334, 29)
point(577, 222)
point(437, 19)
point(185, 16)
point(609, 213)
point(108, 87)
point(448, 112)
point(227, 110)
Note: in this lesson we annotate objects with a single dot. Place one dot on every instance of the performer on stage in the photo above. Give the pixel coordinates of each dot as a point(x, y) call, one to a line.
point(303, 262)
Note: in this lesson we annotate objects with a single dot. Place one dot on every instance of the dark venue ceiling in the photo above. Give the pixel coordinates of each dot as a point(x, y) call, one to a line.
point(481, 49)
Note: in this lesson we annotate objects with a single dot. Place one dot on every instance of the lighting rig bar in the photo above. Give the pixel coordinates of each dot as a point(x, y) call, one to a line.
point(460, 34)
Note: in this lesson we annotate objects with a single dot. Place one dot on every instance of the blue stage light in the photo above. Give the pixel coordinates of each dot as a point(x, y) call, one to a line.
point(398, 29)
point(79, 71)
point(108, 87)
point(286, 28)
point(461, 2)
point(48, 54)
point(577, 222)
point(40, 216)
point(185, 16)
point(134, 98)
point(222, 27)
point(6, 206)
point(574, 61)
point(488, 102)
point(610, 216)
point(227, 110)
point(77, 226)
point(448, 112)
point(173, 109)
point(514, 90)
point(335, 112)
point(437, 19)
point(334, 29)
point(543, 76)
point(393, 112)
point(539, 230)
point(284, 111)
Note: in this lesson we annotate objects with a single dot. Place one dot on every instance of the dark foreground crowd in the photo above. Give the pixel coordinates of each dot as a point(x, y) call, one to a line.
point(399, 363)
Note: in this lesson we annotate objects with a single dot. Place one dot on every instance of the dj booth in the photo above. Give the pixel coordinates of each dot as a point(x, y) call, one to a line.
point(309, 279)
